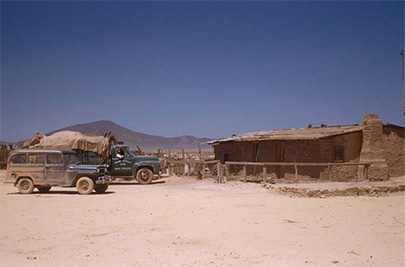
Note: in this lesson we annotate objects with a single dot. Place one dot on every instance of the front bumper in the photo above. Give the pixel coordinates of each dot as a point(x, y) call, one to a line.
point(104, 179)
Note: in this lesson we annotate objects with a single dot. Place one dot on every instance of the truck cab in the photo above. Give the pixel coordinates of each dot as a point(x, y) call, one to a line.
point(124, 164)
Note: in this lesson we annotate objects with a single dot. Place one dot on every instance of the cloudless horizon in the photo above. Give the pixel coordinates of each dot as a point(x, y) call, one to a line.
point(207, 69)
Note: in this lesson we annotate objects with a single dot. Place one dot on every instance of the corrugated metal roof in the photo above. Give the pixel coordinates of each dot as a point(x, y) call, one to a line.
point(291, 134)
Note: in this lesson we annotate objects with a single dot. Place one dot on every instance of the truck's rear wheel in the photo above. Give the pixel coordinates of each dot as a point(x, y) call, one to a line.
point(144, 176)
point(100, 188)
point(25, 186)
point(85, 186)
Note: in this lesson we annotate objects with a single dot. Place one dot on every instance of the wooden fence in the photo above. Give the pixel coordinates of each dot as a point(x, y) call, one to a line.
point(223, 173)
point(4, 152)
point(296, 165)
point(174, 166)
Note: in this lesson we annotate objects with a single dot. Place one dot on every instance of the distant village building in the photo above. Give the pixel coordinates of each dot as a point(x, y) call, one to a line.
point(380, 144)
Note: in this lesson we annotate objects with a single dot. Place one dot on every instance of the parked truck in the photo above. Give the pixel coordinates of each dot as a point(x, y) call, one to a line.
point(129, 166)
point(44, 168)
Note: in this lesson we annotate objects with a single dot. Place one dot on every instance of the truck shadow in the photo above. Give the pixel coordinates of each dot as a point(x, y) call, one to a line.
point(136, 183)
point(62, 192)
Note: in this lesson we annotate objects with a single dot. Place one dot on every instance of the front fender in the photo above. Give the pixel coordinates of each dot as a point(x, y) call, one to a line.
point(152, 165)
point(135, 168)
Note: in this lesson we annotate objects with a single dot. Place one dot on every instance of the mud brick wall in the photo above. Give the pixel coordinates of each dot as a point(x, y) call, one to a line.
point(394, 146)
point(306, 151)
point(372, 149)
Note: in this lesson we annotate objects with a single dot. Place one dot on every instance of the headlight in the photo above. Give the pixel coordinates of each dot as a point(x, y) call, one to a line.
point(101, 170)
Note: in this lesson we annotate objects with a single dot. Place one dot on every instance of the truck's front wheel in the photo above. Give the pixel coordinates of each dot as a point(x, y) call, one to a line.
point(144, 176)
point(25, 186)
point(85, 186)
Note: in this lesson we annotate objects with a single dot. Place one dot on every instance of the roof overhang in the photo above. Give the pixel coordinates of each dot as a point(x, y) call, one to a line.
point(290, 134)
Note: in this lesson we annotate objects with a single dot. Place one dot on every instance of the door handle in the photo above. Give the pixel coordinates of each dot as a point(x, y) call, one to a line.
point(47, 166)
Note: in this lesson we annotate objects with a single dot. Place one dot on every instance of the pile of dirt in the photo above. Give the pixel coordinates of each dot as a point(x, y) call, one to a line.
point(330, 189)
point(351, 191)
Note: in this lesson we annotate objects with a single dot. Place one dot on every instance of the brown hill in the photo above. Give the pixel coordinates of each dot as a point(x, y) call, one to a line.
point(131, 138)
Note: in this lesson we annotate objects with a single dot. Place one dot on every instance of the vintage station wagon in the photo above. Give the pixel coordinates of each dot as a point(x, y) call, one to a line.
point(43, 168)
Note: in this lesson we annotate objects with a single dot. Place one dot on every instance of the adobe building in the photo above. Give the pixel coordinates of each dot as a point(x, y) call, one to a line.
point(380, 144)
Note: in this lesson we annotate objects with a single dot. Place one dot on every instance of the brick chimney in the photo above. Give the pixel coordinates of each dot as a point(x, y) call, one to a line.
point(372, 148)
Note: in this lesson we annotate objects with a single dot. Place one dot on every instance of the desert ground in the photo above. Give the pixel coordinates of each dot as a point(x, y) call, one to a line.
point(179, 221)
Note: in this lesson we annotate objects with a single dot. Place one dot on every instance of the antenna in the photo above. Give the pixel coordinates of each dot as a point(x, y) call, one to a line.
point(403, 88)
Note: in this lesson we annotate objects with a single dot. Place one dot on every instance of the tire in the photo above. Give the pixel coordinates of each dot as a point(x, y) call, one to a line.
point(44, 189)
point(100, 188)
point(85, 186)
point(144, 176)
point(25, 186)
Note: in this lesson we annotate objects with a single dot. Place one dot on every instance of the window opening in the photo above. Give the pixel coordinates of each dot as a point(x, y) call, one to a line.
point(338, 154)
point(54, 159)
point(19, 159)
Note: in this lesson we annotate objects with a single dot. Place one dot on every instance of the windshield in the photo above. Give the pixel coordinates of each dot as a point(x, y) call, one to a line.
point(71, 159)
point(128, 152)
point(124, 151)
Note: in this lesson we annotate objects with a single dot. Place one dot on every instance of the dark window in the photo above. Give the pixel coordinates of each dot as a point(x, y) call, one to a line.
point(19, 159)
point(227, 157)
point(89, 157)
point(94, 158)
point(36, 159)
point(71, 158)
point(54, 159)
point(338, 154)
point(255, 151)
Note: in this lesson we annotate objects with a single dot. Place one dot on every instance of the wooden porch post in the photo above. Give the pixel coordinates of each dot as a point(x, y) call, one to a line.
point(264, 173)
point(244, 173)
point(219, 171)
point(227, 172)
point(329, 170)
point(366, 171)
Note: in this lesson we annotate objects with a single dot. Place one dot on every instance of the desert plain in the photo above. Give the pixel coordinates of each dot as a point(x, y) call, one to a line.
point(182, 221)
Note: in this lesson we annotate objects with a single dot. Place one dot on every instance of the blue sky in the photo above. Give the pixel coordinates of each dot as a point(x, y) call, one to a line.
point(208, 69)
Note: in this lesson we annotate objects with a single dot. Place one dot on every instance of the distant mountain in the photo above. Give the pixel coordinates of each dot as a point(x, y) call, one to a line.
point(145, 141)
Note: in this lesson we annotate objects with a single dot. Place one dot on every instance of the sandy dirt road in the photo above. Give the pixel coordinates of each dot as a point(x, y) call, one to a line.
point(185, 222)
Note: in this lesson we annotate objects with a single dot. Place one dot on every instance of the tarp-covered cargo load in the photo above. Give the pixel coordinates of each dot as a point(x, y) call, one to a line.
point(76, 141)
